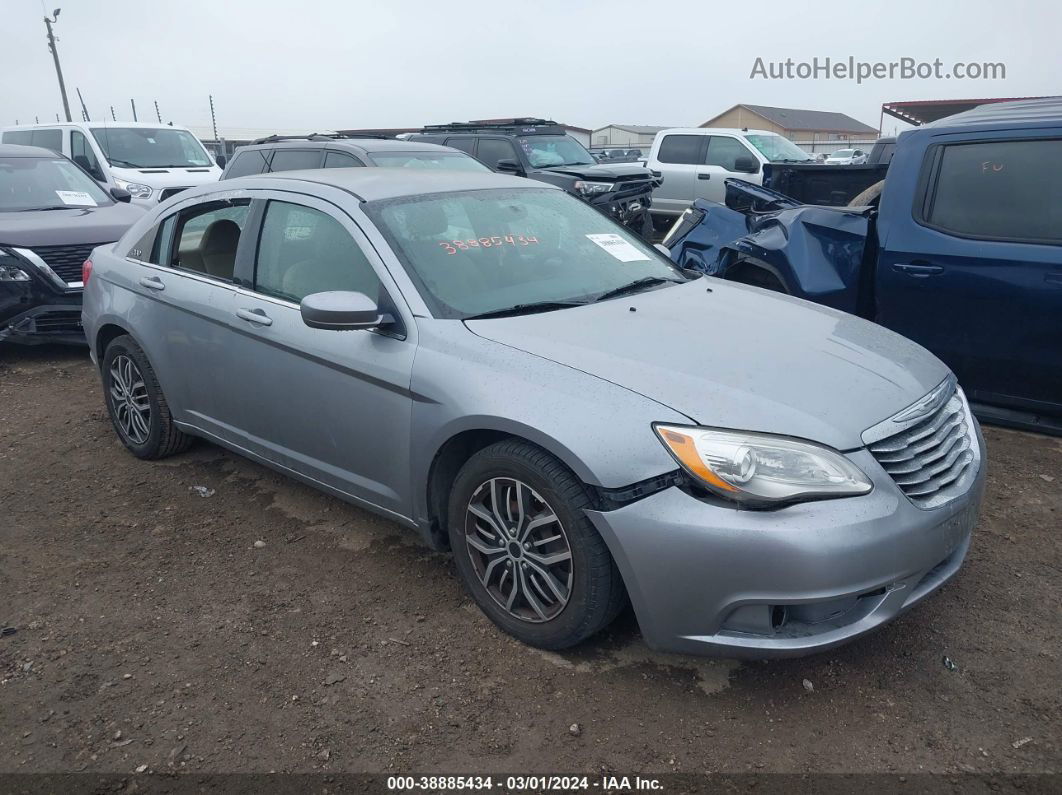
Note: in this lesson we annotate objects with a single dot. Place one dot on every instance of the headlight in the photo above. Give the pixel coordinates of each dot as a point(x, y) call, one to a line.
point(137, 189)
point(592, 188)
point(759, 469)
point(9, 270)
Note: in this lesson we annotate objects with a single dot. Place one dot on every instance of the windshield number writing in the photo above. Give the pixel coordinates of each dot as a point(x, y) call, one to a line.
point(453, 246)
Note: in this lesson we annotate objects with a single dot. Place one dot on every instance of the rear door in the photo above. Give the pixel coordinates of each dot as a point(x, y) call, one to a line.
point(490, 150)
point(334, 406)
point(719, 164)
point(678, 159)
point(973, 270)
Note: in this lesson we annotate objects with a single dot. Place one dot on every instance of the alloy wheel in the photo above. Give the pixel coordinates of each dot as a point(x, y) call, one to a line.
point(129, 399)
point(519, 549)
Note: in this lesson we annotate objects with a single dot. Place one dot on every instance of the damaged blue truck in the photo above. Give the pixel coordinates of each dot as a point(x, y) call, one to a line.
point(961, 251)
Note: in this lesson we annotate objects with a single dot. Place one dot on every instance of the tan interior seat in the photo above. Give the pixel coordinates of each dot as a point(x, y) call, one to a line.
point(218, 248)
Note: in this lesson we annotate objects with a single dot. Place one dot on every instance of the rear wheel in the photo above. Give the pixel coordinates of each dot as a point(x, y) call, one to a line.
point(135, 403)
point(525, 550)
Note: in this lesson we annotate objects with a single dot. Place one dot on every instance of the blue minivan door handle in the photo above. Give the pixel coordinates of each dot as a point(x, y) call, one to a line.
point(917, 268)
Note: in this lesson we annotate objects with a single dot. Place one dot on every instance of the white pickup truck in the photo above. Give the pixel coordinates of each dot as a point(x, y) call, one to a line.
point(694, 161)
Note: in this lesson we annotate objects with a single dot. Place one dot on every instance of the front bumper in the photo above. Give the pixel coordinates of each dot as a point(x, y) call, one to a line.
point(705, 578)
point(32, 312)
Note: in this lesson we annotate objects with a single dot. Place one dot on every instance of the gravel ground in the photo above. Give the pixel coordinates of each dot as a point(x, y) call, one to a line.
point(153, 630)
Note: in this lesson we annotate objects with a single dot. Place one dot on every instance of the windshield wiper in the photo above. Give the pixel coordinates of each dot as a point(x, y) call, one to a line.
point(45, 209)
point(527, 309)
point(122, 163)
point(635, 286)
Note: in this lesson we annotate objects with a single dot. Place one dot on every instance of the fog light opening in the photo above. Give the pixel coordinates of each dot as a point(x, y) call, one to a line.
point(779, 615)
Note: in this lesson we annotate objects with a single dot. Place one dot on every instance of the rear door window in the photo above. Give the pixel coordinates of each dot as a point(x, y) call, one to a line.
point(207, 236)
point(295, 159)
point(341, 160)
point(246, 163)
point(1001, 190)
point(465, 143)
point(685, 149)
point(491, 150)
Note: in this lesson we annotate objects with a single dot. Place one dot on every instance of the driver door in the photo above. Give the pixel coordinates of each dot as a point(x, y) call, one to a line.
point(331, 406)
point(720, 163)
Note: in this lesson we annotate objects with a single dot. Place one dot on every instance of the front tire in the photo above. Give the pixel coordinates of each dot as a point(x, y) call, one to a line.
point(138, 409)
point(525, 550)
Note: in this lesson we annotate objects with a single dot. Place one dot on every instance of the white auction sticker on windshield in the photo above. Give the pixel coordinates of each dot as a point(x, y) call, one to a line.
point(76, 197)
point(618, 247)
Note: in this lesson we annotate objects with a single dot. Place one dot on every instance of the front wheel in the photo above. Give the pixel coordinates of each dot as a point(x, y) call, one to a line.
point(525, 550)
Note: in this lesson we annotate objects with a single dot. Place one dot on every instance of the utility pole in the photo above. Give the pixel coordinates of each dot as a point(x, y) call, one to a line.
point(55, 56)
point(113, 117)
point(157, 114)
point(132, 104)
point(84, 110)
point(213, 120)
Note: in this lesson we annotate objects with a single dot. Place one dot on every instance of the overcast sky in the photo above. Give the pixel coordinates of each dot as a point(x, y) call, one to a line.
point(330, 64)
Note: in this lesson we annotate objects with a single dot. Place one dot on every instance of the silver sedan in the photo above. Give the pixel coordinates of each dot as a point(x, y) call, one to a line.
point(505, 371)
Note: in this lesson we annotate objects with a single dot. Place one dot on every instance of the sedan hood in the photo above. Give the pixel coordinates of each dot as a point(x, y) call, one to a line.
point(73, 226)
point(732, 356)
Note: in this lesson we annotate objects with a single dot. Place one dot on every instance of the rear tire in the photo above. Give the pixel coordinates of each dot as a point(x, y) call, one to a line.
point(502, 535)
point(137, 408)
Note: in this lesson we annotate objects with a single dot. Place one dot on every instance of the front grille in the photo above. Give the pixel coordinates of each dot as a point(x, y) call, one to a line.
point(58, 322)
point(633, 185)
point(933, 459)
point(171, 192)
point(66, 261)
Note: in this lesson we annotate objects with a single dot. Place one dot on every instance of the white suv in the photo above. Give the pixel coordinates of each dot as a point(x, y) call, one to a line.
point(694, 161)
point(151, 161)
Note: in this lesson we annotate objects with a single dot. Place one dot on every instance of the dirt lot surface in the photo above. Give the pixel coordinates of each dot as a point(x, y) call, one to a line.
point(152, 630)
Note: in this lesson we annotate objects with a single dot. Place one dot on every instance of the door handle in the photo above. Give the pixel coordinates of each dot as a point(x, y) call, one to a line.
point(1053, 278)
point(704, 176)
point(152, 283)
point(917, 268)
point(255, 316)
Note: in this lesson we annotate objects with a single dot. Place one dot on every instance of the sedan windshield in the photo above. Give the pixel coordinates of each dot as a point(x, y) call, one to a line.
point(487, 251)
point(42, 183)
point(451, 161)
point(843, 153)
point(151, 147)
point(547, 151)
point(778, 149)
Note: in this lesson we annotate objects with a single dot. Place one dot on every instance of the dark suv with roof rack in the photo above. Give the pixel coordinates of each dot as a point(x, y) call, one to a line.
point(294, 152)
point(542, 150)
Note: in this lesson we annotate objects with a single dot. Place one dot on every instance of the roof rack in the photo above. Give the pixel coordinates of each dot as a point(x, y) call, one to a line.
point(272, 139)
point(526, 126)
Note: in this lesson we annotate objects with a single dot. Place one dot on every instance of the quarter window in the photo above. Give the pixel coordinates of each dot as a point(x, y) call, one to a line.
point(207, 237)
point(294, 159)
point(303, 251)
point(684, 149)
point(1007, 190)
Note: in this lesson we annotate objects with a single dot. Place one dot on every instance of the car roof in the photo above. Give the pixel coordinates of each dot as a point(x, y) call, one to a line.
point(96, 125)
point(714, 130)
point(367, 145)
point(1046, 109)
point(372, 184)
point(18, 150)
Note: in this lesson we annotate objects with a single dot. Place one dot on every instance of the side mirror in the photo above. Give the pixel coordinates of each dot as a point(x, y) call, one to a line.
point(746, 165)
point(120, 194)
point(341, 311)
point(221, 160)
point(506, 166)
